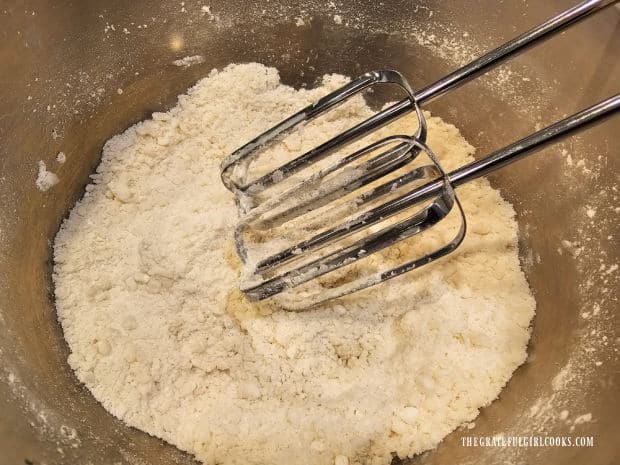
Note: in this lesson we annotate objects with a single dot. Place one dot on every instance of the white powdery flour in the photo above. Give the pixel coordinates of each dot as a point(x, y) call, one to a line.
point(145, 288)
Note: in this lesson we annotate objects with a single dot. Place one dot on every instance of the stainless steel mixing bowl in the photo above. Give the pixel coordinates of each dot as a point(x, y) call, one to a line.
point(73, 73)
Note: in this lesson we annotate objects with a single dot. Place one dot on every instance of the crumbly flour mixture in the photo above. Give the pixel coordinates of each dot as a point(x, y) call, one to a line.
point(145, 281)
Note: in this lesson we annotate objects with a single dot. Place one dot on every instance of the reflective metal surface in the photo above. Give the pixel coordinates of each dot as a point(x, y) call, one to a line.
point(64, 55)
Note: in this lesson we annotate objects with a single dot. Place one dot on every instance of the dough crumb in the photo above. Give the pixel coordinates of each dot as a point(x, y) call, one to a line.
point(188, 61)
point(45, 179)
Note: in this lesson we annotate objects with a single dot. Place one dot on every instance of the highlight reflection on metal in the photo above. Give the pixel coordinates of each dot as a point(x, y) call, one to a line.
point(176, 42)
point(277, 272)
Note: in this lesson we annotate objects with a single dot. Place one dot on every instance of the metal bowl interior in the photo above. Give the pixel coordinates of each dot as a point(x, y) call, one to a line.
point(75, 73)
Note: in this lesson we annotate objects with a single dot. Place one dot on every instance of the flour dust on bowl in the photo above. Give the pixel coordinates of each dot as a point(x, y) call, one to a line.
point(126, 240)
